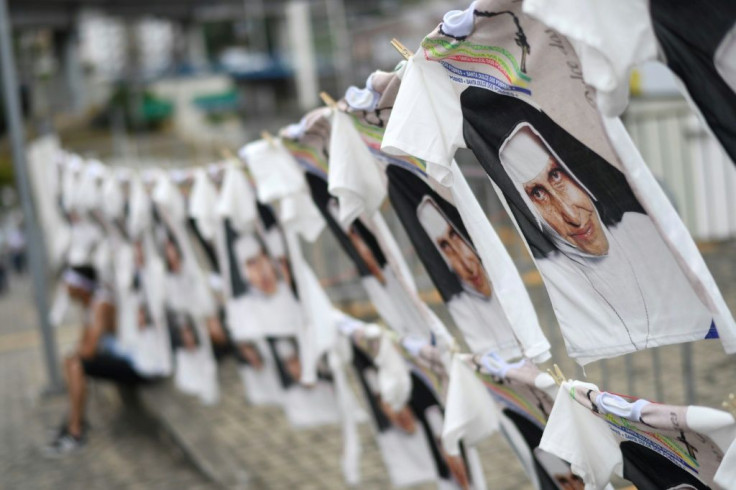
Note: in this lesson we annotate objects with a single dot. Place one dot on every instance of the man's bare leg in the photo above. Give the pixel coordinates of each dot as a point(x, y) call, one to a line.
point(77, 387)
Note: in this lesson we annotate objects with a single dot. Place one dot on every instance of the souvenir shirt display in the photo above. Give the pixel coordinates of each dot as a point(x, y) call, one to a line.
point(500, 83)
point(437, 230)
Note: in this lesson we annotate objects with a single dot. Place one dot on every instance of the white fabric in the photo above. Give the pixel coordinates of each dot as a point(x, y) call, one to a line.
point(576, 435)
point(726, 475)
point(669, 224)
point(350, 415)
point(319, 332)
point(139, 217)
point(459, 23)
point(631, 312)
point(168, 198)
point(237, 201)
point(392, 249)
point(720, 426)
point(617, 405)
point(311, 407)
point(299, 213)
point(274, 242)
point(203, 204)
point(361, 98)
point(196, 370)
point(610, 38)
point(83, 239)
point(246, 247)
point(353, 177)
point(261, 386)
point(422, 124)
point(725, 58)
point(394, 381)
point(427, 122)
point(113, 203)
point(471, 414)
point(273, 168)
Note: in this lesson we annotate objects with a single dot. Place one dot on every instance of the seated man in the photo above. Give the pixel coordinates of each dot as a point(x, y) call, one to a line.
point(97, 355)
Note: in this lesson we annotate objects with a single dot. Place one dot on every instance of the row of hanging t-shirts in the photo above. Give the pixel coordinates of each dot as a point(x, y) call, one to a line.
point(201, 259)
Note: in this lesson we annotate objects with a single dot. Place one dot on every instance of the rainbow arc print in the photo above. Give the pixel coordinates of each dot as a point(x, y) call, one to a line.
point(307, 157)
point(511, 80)
point(372, 136)
point(671, 448)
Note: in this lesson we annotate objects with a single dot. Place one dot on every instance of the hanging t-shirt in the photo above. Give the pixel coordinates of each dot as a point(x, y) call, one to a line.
point(653, 445)
point(250, 311)
point(187, 300)
point(621, 271)
point(261, 296)
point(367, 245)
point(404, 449)
point(436, 228)
point(304, 407)
point(696, 40)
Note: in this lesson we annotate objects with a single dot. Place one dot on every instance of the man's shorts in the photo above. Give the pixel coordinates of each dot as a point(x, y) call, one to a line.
point(113, 368)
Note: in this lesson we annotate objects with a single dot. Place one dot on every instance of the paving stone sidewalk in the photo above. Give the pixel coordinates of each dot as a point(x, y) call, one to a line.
point(241, 446)
point(125, 450)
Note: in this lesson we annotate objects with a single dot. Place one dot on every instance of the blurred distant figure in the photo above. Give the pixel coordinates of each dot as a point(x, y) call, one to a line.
point(3, 261)
point(16, 242)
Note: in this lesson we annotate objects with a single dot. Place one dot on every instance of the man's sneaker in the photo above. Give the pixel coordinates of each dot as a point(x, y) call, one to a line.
point(64, 443)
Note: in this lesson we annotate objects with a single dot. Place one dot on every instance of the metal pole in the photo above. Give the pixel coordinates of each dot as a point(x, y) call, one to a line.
point(36, 247)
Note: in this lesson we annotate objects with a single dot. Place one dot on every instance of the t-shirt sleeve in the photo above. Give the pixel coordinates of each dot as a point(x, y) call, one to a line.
point(610, 38)
point(582, 439)
point(426, 120)
point(470, 413)
point(354, 176)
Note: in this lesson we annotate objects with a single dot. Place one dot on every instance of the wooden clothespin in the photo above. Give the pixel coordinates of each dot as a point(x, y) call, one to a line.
point(329, 101)
point(730, 404)
point(267, 136)
point(403, 50)
point(226, 154)
point(557, 374)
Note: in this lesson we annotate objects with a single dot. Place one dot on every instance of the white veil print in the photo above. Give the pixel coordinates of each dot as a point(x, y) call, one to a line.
point(635, 289)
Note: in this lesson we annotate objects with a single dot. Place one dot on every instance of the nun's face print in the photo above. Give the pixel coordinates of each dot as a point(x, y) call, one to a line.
point(173, 257)
point(457, 252)
point(261, 273)
point(463, 260)
point(567, 208)
point(366, 254)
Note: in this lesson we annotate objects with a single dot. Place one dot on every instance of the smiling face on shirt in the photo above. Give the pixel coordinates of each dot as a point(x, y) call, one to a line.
point(464, 261)
point(567, 208)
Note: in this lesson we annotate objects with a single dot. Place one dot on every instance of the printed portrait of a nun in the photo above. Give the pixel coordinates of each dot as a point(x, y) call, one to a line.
point(444, 247)
point(615, 285)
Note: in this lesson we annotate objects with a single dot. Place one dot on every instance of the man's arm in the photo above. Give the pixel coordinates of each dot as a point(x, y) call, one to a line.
point(103, 321)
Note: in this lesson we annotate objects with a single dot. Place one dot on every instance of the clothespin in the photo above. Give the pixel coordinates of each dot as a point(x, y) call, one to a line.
point(267, 136)
point(730, 404)
point(557, 374)
point(329, 101)
point(227, 154)
point(403, 50)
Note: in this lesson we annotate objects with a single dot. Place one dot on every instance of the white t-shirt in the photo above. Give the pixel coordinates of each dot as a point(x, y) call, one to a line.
point(370, 245)
point(509, 88)
point(600, 434)
point(696, 41)
point(355, 175)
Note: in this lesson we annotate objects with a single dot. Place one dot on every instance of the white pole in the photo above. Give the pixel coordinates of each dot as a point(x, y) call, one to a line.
point(299, 24)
